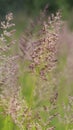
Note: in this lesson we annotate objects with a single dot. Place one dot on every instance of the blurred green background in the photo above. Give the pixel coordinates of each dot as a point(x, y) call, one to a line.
point(25, 9)
point(33, 6)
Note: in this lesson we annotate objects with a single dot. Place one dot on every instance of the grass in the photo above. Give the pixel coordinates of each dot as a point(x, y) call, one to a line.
point(36, 98)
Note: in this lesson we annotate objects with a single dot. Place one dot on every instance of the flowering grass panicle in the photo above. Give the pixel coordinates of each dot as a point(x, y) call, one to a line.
point(40, 52)
point(28, 89)
point(8, 63)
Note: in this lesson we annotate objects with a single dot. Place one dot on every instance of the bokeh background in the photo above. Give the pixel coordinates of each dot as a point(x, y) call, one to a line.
point(33, 6)
point(24, 9)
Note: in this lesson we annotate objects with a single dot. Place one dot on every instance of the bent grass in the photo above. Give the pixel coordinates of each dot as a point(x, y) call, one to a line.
point(31, 81)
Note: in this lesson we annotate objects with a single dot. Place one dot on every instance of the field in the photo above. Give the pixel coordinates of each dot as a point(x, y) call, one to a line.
point(36, 74)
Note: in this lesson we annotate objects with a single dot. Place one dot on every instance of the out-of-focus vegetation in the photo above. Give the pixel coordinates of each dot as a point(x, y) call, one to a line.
point(25, 9)
point(36, 71)
point(35, 92)
point(29, 6)
point(34, 6)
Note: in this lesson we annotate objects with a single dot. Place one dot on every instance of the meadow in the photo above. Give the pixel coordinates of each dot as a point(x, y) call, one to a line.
point(36, 86)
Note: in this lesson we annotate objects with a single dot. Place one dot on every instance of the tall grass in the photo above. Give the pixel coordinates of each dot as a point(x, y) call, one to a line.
point(33, 93)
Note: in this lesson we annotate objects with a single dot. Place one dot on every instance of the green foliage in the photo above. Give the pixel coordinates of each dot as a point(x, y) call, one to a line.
point(28, 83)
point(6, 123)
point(39, 108)
point(27, 6)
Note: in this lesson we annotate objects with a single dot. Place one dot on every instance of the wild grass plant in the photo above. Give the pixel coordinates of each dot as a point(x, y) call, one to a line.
point(31, 78)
